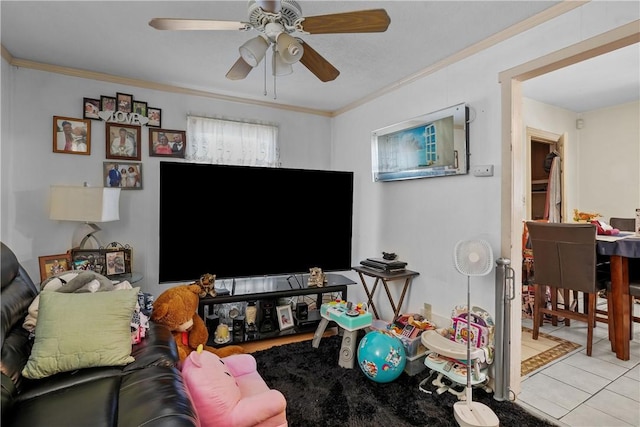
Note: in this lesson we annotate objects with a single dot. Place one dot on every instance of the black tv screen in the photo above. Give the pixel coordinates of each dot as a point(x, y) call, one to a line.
point(244, 221)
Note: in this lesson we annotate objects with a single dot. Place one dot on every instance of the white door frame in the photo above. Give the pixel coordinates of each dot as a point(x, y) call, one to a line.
point(513, 145)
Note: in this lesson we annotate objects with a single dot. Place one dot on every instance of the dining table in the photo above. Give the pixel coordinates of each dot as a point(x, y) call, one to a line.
point(620, 248)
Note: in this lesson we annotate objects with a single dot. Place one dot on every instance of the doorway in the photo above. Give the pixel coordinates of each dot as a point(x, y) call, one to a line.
point(512, 155)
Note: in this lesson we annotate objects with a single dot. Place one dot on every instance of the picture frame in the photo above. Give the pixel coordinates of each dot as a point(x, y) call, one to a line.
point(435, 144)
point(53, 264)
point(140, 107)
point(285, 317)
point(155, 117)
point(124, 102)
point(88, 260)
point(118, 260)
point(107, 103)
point(91, 108)
point(122, 141)
point(128, 176)
point(173, 141)
point(71, 135)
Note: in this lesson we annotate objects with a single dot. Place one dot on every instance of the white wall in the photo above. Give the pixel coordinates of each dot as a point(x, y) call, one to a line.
point(609, 159)
point(30, 99)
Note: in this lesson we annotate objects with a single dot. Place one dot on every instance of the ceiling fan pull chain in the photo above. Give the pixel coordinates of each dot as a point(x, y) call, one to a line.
point(275, 94)
point(265, 78)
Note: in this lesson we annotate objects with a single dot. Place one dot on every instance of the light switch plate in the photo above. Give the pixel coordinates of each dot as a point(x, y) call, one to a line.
point(482, 170)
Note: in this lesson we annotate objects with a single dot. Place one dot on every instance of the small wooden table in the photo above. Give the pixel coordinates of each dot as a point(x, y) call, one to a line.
point(384, 277)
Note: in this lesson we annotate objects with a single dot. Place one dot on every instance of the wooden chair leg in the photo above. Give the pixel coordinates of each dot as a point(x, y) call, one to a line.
point(536, 310)
point(554, 304)
point(567, 305)
point(610, 321)
point(591, 317)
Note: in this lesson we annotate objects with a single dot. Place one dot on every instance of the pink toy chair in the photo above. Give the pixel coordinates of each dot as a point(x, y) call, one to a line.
point(230, 392)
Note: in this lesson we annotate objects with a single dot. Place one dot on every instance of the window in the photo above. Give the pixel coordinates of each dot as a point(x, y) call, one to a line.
point(229, 142)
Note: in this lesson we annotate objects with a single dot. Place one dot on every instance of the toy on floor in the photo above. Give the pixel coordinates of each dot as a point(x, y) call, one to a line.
point(176, 308)
point(381, 356)
point(447, 352)
point(230, 392)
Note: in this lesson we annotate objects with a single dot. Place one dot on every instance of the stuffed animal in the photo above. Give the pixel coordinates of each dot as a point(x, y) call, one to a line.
point(229, 392)
point(207, 284)
point(176, 308)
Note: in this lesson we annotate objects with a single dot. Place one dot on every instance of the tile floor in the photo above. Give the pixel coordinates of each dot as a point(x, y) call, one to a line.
point(577, 390)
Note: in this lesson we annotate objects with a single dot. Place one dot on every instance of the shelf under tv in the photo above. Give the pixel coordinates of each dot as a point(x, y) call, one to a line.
point(271, 289)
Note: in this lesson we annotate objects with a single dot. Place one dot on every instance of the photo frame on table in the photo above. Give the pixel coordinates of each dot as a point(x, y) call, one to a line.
point(124, 102)
point(91, 108)
point(88, 260)
point(140, 107)
point(123, 175)
point(166, 143)
point(116, 263)
point(285, 317)
point(71, 136)
point(118, 260)
point(155, 117)
point(107, 103)
point(122, 141)
point(53, 264)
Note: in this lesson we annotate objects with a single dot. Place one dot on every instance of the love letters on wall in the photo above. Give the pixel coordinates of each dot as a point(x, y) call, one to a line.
point(122, 109)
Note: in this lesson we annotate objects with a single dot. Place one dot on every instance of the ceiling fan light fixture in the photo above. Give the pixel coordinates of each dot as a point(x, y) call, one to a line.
point(280, 67)
point(289, 49)
point(252, 51)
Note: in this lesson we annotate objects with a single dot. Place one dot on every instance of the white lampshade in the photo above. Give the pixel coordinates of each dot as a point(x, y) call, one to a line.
point(252, 51)
point(280, 67)
point(289, 48)
point(85, 204)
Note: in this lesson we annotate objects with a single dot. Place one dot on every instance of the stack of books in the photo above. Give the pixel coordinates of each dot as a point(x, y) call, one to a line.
point(384, 265)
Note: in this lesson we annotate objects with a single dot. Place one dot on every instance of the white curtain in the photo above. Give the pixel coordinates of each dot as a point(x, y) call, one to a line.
point(213, 140)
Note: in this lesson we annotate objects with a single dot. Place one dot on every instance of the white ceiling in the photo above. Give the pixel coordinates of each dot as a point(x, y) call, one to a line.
point(114, 37)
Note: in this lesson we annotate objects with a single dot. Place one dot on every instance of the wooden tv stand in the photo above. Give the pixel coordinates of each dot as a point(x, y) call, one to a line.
point(263, 291)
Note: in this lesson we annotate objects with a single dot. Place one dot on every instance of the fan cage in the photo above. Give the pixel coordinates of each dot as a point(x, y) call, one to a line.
point(465, 255)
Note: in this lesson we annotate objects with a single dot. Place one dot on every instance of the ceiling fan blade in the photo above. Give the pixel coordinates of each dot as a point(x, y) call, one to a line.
point(317, 64)
point(270, 6)
point(196, 24)
point(362, 21)
point(239, 70)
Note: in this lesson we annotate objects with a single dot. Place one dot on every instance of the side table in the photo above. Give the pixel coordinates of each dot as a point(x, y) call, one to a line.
point(385, 278)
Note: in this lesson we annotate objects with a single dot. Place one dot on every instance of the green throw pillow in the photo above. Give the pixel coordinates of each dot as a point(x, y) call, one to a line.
point(81, 330)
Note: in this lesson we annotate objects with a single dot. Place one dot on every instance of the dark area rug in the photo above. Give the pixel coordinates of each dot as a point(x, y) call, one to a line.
point(321, 393)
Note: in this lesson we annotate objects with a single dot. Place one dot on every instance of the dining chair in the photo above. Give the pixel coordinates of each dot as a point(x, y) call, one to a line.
point(628, 224)
point(623, 224)
point(564, 257)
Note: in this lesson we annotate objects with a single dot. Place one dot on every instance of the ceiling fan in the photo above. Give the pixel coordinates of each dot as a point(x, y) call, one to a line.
point(276, 21)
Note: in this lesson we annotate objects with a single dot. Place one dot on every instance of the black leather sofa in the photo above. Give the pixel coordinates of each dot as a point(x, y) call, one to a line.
point(147, 392)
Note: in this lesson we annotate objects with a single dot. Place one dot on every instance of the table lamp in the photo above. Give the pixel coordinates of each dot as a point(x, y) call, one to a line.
point(85, 204)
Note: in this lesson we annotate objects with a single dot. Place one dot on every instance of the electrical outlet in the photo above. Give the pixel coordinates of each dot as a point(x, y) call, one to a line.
point(482, 170)
point(427, 311)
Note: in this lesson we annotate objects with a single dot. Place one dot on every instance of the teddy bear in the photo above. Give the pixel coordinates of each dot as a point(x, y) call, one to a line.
point(176, 308)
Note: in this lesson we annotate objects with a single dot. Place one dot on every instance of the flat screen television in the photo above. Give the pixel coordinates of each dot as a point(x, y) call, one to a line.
point(245, 221)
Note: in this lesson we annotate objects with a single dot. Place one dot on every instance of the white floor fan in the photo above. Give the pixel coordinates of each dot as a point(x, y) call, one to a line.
point(473, 258)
